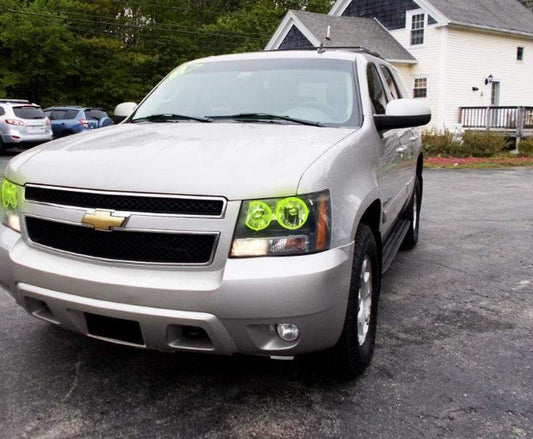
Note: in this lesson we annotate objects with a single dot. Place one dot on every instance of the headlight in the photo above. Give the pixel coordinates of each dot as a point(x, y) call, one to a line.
point(283, 226)
point(11, 195)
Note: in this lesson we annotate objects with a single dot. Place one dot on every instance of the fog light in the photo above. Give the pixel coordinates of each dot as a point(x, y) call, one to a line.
point(13, 221)
point(288, 331)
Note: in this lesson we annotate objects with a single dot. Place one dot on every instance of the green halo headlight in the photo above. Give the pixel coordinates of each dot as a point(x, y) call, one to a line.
point(259, 216)
point(9, 195)
point(292, 213)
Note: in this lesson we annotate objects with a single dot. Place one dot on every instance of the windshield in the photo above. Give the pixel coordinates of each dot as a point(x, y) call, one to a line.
point(320, 91)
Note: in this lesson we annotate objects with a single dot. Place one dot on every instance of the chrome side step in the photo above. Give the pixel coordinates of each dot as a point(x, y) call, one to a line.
point(393, 242)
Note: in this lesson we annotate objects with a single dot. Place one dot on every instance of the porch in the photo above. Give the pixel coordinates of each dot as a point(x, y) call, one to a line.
point(515, 121)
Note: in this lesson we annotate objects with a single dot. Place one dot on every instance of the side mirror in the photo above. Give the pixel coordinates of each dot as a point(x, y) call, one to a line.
point(123, 111)
point(403, 113)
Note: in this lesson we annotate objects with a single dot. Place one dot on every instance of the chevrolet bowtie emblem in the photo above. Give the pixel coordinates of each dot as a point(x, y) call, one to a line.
point(103, 220)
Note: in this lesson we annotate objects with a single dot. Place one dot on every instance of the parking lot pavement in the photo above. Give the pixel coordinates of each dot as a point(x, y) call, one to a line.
point(454, 357)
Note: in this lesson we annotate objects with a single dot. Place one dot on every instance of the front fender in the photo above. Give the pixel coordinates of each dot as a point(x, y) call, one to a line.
point(350, 171)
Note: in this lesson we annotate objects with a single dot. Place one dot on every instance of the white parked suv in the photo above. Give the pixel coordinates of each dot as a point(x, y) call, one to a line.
point(22, 124)
point(250, 204)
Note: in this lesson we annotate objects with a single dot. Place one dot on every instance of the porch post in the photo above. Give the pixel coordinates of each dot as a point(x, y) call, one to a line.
point(520, 123)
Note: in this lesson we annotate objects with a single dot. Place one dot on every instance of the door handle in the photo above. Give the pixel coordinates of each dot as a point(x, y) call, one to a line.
point(401, 149)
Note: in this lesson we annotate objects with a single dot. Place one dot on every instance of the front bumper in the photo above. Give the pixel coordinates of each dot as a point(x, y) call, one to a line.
point(237, 305)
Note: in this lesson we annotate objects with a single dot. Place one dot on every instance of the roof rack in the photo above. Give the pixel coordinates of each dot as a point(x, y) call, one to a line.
point(322, 49)
point(14, 101)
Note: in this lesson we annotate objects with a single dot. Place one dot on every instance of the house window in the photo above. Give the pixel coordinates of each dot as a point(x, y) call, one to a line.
point(421, 88)
point(418, 29)
point(520, 54)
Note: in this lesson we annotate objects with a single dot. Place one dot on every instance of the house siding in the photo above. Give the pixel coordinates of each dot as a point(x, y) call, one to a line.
point(456, 60)
point(295, 40)
point(473, 56)
point(390, 13)
point(431, 60)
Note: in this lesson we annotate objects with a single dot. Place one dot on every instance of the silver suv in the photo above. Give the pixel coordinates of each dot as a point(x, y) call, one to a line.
point(250, 204)
point(22, 124)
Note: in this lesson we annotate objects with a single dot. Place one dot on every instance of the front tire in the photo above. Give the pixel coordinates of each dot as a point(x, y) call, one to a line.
point(412, 214)
point(355, 348)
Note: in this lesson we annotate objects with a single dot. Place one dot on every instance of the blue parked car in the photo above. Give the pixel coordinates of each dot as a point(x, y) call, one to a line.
point(72, 120)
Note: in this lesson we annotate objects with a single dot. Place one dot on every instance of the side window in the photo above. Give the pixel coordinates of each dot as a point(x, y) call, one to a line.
point(376, 90)
point(391, 83)
point(2, 111)
point(71, 114)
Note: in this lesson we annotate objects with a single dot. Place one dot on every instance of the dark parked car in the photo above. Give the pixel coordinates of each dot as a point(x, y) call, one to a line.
point(73, 120)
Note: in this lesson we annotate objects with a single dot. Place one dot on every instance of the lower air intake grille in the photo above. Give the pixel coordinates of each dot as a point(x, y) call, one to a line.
point(162, 248)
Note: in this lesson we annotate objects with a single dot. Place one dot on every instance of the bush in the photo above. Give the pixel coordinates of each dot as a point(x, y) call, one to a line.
point(474, 144)
point(484, 143)
point(526, 147)
point(437, 144)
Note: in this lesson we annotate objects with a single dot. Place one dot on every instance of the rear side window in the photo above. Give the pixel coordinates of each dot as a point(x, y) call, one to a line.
point(29, 112)
point(376, 90)
point(2, 111)
point(72, 114)
point(95, 114)
point(391, 83)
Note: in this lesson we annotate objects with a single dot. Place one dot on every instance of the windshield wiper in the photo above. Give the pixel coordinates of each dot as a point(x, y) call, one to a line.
point(169, 117)
point(266, 116)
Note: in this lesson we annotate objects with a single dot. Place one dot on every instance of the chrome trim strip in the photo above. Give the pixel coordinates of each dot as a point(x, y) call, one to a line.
point(130, 194)
point(122, 261)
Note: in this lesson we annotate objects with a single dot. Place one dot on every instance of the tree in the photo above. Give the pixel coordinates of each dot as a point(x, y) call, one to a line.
point(102, 52)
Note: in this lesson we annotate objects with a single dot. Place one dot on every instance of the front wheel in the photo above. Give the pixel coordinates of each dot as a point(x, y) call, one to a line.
point(355, 348)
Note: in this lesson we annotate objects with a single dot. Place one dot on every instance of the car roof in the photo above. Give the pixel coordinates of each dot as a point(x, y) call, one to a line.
point(348, 54)
point(65, 108)
point(14, 101)
point(18, 104)
point(68, 107)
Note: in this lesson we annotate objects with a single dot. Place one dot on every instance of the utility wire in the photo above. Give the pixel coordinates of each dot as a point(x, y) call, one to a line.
point(129, 26)
point(167, 27)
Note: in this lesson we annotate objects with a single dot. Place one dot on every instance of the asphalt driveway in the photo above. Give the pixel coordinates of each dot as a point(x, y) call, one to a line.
point(454, 356)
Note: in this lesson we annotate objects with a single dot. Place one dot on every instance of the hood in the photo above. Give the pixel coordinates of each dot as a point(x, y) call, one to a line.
point(234, 160)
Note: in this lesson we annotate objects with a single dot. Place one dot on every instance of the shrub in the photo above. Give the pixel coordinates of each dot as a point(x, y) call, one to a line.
point(440, 144)
point(483, 143)
point(526, 147)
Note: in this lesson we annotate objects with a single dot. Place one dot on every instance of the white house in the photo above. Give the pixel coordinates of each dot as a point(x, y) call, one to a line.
point(460, 53)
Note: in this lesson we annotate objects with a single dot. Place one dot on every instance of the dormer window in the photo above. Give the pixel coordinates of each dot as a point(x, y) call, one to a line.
point(418, 29)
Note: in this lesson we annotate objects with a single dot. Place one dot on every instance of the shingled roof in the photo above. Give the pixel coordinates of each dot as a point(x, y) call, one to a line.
point(354, 31)
point(508, 15)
